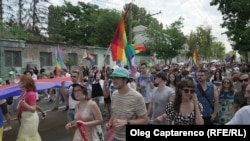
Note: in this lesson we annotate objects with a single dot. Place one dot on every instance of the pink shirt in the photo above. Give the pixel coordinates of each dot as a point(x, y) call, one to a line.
point(30, 98)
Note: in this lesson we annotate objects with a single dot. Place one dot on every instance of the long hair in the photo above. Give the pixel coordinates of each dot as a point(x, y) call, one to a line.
point(231, 87)
point(28, 83)
point(177, 101)
point(168, 80)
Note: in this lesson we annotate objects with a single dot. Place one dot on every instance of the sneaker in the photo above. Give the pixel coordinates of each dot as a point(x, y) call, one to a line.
point(43, 115)
point(50, 101)
point(7, 128)
point(66, 109)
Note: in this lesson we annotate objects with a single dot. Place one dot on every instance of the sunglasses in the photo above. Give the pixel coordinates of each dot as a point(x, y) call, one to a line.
point(73, 76)
point(241, 80)
point(191, 91)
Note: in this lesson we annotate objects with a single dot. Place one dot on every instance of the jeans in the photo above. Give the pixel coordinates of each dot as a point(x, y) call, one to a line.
point(71, 114)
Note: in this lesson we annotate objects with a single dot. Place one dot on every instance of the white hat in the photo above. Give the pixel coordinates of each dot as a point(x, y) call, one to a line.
point(11, 72)
point(236, 69)
point(166, 68)
point(114, 67)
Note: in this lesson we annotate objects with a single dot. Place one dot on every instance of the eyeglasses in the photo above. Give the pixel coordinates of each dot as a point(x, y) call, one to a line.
point(241, 80)
point(73, 76)
point(191, 91)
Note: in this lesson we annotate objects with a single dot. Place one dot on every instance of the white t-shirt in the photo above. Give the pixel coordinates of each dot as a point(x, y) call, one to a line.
point(72, 102)
point(241, 117)
point(16, 81)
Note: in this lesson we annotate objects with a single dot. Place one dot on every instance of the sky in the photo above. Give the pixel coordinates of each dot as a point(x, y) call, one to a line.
point(194, 12)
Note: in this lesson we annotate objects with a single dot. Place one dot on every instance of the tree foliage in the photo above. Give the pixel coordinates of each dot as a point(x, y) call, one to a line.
point(166, 43)
point(201, 39)
point(236, 19)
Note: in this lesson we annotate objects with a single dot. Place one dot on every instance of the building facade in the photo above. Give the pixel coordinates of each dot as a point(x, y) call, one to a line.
point(21, 54)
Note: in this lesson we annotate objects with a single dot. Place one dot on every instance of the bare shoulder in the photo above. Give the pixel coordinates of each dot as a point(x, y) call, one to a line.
point(92, 103)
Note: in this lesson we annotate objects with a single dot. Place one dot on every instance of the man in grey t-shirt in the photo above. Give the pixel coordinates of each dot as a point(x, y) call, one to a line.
point(161, 95)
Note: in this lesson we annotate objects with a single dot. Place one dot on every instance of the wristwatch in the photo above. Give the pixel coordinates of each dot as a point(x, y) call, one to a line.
point(128, 122)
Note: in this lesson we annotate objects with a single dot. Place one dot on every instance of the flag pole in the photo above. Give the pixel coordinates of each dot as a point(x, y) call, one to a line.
point(105, 55)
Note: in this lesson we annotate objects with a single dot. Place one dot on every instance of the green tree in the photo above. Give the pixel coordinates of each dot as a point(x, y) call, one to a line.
point(236, 19)
point(106, 25)
point(55, 23)
point(201, 39)
point(166, 43)
point(218, 50)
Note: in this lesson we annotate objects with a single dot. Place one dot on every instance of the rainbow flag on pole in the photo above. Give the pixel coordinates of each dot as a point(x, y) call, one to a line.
point(59, 59)
point(119, 41)
point(195, 60)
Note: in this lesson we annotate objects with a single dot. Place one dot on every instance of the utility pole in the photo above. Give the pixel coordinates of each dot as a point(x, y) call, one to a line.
point(130, 24)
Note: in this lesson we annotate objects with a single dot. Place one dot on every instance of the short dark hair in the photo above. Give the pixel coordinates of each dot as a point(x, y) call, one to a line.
point(84, 91)
point(161, 75)
point(203, 71)
point(28, 71)
point(144, 64)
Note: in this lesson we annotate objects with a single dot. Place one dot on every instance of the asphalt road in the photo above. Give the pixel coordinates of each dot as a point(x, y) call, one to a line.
point(52, 128)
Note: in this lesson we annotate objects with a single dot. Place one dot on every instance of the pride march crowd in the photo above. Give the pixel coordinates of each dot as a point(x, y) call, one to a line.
point(100, 102)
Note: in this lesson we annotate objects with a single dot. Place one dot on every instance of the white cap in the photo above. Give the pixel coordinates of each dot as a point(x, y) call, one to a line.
point(166, 68)
point(236, 69)
point(114, 67)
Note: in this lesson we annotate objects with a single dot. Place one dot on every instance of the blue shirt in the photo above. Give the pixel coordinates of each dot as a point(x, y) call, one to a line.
point(207, 109)
point(1, 118)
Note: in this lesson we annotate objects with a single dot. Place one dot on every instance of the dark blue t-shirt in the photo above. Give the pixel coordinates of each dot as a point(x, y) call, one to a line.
point(1, 118)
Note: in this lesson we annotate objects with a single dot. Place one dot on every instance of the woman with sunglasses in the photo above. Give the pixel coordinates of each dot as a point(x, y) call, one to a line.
point(226, 99)
point(186, 109)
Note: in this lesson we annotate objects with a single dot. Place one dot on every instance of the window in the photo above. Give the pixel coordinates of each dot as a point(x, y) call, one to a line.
point(46, 59)
point(13, 58)
point(73, 57)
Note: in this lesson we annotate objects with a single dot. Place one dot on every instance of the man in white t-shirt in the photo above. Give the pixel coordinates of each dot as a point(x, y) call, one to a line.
point(59, 94)
point(241, 117)
point(75, 78)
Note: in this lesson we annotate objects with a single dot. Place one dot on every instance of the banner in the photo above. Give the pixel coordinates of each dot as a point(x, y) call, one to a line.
point(41, 85)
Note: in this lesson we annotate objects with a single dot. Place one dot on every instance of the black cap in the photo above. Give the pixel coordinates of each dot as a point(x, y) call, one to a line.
point(162, 76)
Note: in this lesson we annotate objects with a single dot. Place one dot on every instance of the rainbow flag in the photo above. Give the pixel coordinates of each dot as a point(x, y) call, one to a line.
point(59, 59)
point(195, 60)
point(131, 50)
point(119, 41)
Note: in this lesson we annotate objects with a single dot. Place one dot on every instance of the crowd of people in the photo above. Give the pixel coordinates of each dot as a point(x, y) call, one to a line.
point(105, 100)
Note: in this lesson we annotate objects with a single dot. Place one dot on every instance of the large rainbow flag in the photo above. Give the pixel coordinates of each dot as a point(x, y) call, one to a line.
point(195, 60)
point(121, 51)
point(41, 85)
point(59, 59)
point(119, 41)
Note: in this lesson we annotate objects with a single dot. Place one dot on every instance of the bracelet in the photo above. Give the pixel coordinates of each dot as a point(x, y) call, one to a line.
point(128, 122)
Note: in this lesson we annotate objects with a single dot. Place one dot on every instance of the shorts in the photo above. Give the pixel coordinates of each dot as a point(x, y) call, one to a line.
point(4, 108)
